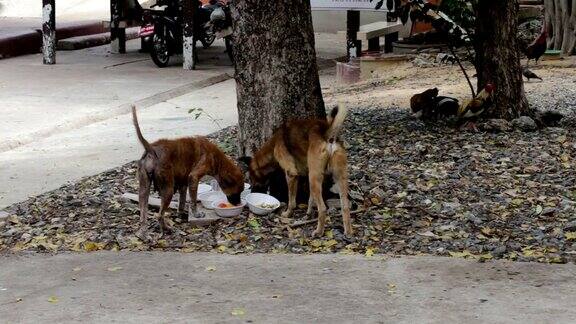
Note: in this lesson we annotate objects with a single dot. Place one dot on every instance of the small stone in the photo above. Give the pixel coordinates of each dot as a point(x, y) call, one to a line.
point(525, 124)
point(496, 125)
point(499, 251)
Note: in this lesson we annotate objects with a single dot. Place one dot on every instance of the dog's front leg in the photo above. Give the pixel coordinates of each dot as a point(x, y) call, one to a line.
point(292, 181)
point(193, 180)
point(183, 190)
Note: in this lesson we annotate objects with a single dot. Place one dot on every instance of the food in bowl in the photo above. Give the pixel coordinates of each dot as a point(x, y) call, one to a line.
point(262, 204)
point(223, 208)
point(225, 205)
point(268, 206)
point(207, 198)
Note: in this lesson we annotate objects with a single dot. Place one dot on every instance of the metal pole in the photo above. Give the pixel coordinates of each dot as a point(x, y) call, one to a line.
point(49, 31)
point(117, 34)
point(353, 45)
point(189, 44)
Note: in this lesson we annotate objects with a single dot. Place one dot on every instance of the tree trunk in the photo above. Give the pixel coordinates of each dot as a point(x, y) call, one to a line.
point(498, 57)
point(561, 25)
point(276, 70)
point(276, 74)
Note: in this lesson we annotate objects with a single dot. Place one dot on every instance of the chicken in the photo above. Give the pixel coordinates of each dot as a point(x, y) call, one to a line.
point(535, 50)
point(472, 109)
point(446, 106)
point(422, 104)
point(530, 75)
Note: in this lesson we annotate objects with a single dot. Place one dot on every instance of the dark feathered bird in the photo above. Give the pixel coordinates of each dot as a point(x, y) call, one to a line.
point(529, 74)
point(446, 106)
point(535, 50)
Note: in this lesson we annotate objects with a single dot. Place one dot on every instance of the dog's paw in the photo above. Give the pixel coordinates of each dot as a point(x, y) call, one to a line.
point(318, 233)
point(287, 213)
point(195, 214)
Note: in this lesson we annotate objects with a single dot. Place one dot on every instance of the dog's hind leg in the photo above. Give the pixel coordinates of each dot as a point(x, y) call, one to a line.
point(292, 181)
point(310, 209)
point(143, 194)
point(338, 165)
point(166, 193)
point(316, 179)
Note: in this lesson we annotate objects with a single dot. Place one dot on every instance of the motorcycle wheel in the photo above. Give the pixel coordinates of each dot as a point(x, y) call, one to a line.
point(159, 52)
point(208, 39)
point(228, 43)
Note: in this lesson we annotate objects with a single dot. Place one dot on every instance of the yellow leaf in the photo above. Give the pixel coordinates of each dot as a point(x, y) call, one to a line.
point(114, 269)
point(570, 236)
point(316, 243)
point(53, 299)
point(369, 252)
point(330, 243)
point(92, 246)
point(238, 311)
point(210, 269)
point(222, 248)
point(463, 254)
point(329, 234)
point(486, 256)
point(76, 269)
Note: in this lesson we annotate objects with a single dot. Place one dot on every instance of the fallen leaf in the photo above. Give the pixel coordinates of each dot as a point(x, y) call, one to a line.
point(53, 299)
point(570, 236)
point(222, 248)
point(463, 254)
point(369, 252)
point(76, 269)
point(238, 311)
point(210, 269)
point(113, 269)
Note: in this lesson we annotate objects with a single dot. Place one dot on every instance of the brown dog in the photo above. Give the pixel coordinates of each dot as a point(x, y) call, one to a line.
point(306, 147)
point(179, 165)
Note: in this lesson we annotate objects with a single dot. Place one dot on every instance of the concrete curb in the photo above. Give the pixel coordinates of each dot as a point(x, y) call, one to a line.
point(29, 40)
point(68, 125)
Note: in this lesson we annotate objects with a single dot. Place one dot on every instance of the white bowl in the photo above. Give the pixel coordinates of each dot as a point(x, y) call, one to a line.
point(227, 212)
point(207, 198)
point(256, 200)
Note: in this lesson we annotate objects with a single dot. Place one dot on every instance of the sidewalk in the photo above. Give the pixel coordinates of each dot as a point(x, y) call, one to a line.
point(84, 87)
point(214, 288)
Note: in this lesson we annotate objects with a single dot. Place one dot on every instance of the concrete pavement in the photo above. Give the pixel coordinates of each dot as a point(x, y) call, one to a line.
point(84, 87)
point(210, 288)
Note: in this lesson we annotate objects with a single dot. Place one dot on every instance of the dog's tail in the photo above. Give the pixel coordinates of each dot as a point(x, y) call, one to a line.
point(336, 120)
point(141, 138)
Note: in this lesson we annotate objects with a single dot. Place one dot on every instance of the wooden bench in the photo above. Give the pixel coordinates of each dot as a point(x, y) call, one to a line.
point(372, 33)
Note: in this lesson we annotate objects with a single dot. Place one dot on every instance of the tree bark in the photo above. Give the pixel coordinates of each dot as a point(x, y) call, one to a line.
point(498, 57)
point(561, 25)
point(276, 71)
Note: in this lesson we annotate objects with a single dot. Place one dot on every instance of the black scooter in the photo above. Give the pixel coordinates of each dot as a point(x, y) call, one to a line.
point(162, 31)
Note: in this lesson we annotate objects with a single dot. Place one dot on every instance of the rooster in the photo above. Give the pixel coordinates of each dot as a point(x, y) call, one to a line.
point(538, 47)
point(469, 111)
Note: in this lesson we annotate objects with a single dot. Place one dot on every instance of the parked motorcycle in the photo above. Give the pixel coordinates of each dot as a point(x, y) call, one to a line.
point(221, 25)
point(162, 31)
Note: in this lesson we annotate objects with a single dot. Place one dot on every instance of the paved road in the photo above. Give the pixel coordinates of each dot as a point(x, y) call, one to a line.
point(208, 288)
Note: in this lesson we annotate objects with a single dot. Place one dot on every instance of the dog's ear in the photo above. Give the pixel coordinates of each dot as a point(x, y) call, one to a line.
point(245, 160)
point(244, 163)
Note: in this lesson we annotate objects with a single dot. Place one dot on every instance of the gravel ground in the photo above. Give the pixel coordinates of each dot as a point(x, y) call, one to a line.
point(416, 189)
